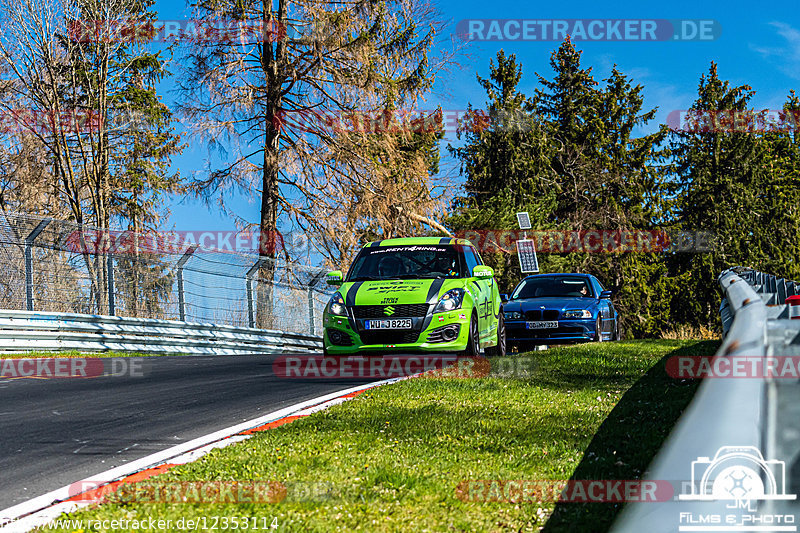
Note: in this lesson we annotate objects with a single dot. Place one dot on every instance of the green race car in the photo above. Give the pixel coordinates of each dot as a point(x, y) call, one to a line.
point(427, 294)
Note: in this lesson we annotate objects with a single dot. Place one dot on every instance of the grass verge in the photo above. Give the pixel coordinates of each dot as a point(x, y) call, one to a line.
point(391, 459)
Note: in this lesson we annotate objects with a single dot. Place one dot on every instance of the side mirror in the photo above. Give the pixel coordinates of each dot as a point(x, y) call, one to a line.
point(334, 278)
point(606, 295)
point(483, 272)
point(503, 297)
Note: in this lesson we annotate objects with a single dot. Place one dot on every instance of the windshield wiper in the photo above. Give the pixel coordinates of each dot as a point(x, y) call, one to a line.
point(364, 278)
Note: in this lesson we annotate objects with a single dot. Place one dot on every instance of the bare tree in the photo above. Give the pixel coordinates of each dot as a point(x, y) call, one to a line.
point(320, 56)
point(66, 87)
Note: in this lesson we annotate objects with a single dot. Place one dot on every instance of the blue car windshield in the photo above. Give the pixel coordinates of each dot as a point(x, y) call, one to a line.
point(553, 287)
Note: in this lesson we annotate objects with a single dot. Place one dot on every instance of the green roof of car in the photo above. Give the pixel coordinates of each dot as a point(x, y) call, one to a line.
point(411, 241)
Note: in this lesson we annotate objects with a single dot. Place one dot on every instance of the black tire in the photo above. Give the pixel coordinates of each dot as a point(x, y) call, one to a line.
point(598, 330)
point(617, 332)
point(500, 349)
point(473, 348)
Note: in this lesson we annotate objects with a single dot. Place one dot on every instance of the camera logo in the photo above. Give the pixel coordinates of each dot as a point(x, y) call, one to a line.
point(738, 473)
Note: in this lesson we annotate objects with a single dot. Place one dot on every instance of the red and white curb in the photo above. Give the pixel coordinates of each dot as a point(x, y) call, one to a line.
point(43, 509)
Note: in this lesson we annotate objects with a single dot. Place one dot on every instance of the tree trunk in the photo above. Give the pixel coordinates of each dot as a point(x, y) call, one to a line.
point(272, 63)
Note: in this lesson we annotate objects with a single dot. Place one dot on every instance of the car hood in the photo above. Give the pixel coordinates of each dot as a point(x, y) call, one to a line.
point(407, 291)
point(526, 304)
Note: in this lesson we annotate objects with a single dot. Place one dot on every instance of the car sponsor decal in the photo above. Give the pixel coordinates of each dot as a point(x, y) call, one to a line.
point(350, 301)
point(432, 299)
point(395, 286)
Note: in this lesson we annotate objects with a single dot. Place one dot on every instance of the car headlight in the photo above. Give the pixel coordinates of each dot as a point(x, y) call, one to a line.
point(577, 313)
point(450, 301)
point(512, 315)
point(336, 305)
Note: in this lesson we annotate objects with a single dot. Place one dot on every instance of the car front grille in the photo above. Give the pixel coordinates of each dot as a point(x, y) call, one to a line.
point(538, 314)
point(389, 337)
point(400, 311)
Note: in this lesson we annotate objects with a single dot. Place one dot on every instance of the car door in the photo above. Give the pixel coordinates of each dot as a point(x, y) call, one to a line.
point(605, 307)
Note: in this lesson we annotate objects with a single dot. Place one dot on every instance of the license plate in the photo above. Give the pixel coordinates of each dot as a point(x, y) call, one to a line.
point(394, 323)
point(542, 324)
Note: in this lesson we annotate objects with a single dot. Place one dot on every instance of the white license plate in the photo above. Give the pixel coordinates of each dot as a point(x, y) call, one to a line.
point(395, 323)
point(542, 324)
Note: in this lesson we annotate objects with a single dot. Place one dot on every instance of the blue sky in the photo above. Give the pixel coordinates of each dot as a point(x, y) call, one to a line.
point(759, 45)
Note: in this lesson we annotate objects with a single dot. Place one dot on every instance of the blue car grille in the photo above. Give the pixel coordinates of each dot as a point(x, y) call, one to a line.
point(539, 314)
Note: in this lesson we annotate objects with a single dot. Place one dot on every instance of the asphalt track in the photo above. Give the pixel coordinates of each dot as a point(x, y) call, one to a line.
point(57, 431)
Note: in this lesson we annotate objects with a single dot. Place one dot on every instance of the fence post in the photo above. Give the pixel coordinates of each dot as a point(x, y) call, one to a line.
point(251, 308)
point(311, 329)
point(29, 261)
point(112, 308)
point(311, 317)
point(181, 262)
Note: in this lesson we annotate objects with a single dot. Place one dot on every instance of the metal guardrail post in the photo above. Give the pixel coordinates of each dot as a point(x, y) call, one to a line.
point(181, 262)
point(251, 308)
point(29, 261)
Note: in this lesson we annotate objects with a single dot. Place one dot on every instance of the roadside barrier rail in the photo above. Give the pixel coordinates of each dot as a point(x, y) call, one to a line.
point(23, 331)
point(727, 413)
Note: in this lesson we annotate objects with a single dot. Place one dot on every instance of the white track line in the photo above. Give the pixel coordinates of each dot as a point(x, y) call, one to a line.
point(42, 509)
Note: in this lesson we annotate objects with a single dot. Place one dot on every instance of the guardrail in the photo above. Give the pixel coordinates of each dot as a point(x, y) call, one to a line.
point(758, 412)
point(22, 331)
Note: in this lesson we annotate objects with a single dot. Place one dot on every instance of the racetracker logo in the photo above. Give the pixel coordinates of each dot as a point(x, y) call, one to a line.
point(72, 367)
point(592, 241)
point(588, 29)
point(733, 366)
point(572, 491)
point(734, 121)
point(191, 492)
point(165, 31)
point(379, 366)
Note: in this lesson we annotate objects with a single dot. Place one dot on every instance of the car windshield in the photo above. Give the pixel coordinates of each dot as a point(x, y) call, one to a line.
point(407, 262)
point(553, 286)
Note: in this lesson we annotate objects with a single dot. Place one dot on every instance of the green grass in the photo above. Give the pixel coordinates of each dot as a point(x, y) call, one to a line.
point(391, 459)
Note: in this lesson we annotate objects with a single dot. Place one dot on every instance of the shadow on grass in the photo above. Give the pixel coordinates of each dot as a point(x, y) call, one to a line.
point(628, 440)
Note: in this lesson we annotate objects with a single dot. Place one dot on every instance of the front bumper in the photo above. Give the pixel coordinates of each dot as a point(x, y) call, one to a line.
point(568, 330)
point(393, 341)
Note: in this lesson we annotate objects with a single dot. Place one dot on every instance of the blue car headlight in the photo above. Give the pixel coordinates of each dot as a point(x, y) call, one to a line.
point(512, 315)
point(577, 313)
point(336, 305)
point(450, 301)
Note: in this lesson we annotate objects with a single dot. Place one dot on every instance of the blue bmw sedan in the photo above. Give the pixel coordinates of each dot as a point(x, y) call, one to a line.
point(559, 308)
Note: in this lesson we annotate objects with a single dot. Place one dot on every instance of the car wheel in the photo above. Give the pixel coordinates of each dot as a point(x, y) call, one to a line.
point(473, 348)
point(499, 350)
point(598, 330)
point(617, 334)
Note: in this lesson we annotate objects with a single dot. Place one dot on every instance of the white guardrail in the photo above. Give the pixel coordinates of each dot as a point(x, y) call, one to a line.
point(734, 413)
point(23, 331)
